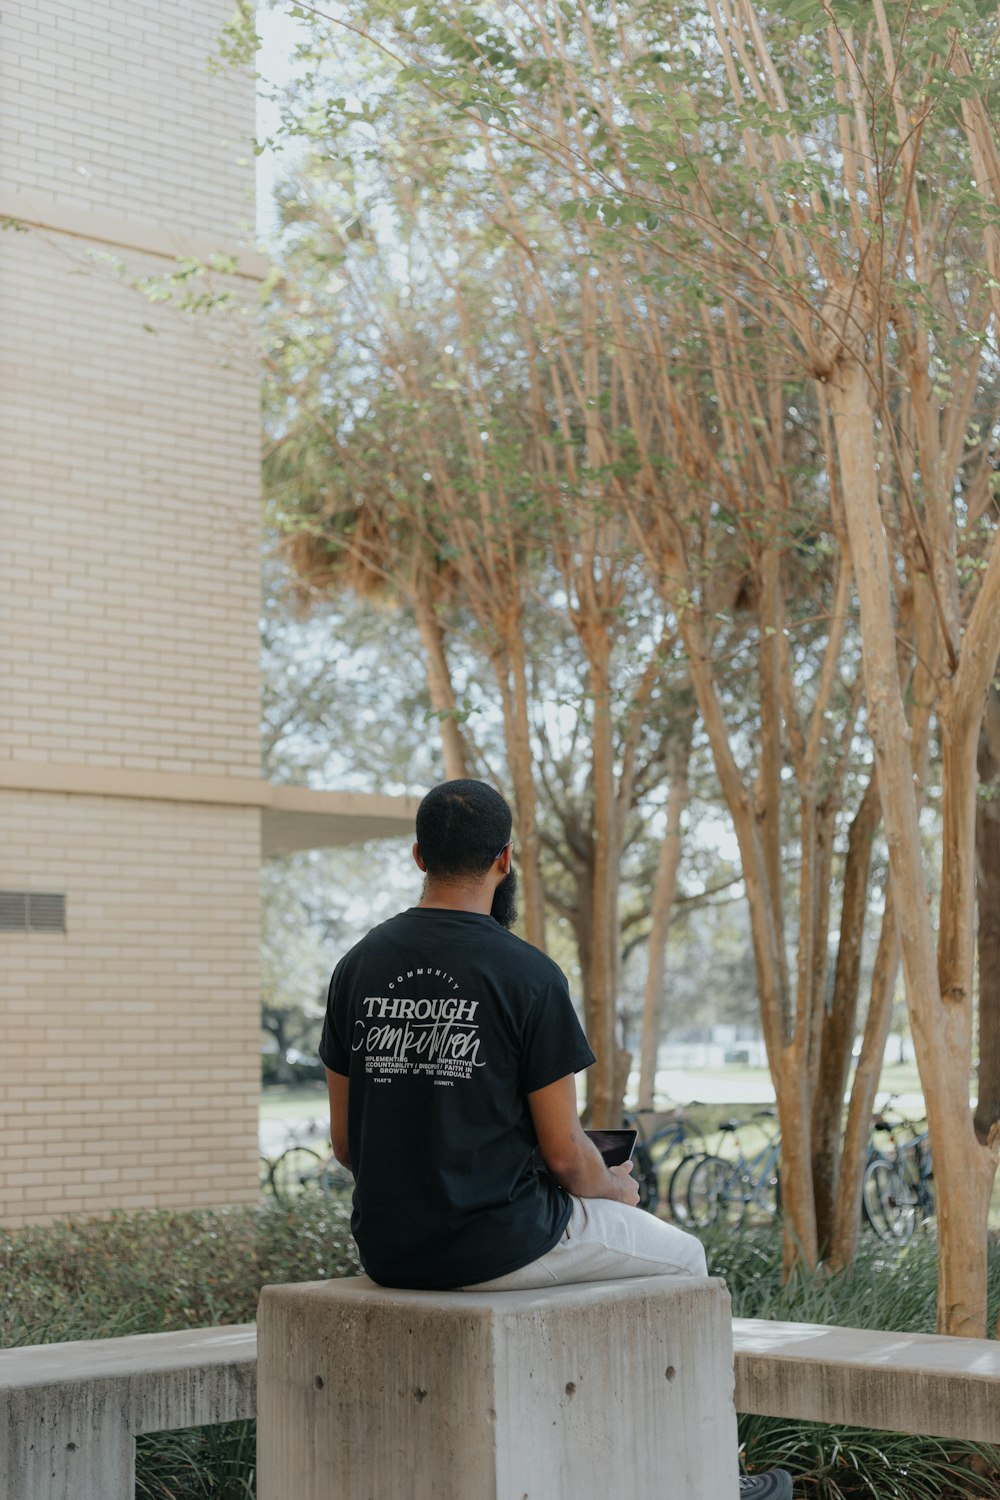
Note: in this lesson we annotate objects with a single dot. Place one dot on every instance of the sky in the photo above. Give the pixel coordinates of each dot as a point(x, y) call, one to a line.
point(278, 33)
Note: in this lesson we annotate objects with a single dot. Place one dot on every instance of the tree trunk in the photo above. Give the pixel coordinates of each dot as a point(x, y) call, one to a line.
point(917, 665)
point(854, 1150)
point(664, 892)
point(591, 1002)
point(522, 772)
point(456, 751)
point(817, 976)
point(840, 1020)
point(507, 661)
point(274, 1021)
point(771, 761)
point(604, 916)
point(787, 1056)
point(813, 962)
point(941, 1024)
point(963, 1177)
point(988, 877)
point(798, 1204)
point(964, 1169)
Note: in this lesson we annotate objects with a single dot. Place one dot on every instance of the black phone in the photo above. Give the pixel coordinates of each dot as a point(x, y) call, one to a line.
point(616, 1146)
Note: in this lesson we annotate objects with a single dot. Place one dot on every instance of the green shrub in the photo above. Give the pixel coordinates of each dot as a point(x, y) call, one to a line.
point(152, 1272)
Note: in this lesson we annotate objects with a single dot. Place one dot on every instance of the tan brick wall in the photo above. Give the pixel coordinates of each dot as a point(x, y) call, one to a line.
point(130, 1044)
point(130, 514)
point(110, 105)
point(129, 592)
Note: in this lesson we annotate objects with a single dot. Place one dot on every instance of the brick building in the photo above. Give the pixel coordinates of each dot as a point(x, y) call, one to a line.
point(132, 813)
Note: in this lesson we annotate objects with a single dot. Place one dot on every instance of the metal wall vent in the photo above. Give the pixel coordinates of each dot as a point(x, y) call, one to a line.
point(32, 911)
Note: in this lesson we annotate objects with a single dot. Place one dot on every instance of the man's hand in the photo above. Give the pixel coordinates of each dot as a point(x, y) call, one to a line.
point(624, 1174)
point(571, 1157)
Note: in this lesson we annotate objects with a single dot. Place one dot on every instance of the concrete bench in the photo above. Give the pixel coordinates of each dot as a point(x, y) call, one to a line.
point(70, 1413)
point(593, 1391)
point(899, 1382)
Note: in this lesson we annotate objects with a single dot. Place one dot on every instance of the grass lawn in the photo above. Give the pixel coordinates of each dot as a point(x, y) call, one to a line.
point(897, 1080)
point(302, 1101)
point(279, 1101)
point(295, 1101)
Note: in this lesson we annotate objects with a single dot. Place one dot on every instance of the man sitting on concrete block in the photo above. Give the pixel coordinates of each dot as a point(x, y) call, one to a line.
point(451, 1048)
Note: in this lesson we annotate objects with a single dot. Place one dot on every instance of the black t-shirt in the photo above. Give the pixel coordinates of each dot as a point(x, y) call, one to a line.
point(444, 1022)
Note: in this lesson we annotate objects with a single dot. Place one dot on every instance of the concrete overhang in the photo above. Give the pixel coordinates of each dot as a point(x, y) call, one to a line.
point(292, 817)
point(298, 817)
point(38, 211)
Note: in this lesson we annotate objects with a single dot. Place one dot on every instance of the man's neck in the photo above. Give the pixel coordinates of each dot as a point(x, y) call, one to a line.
point(440, 896)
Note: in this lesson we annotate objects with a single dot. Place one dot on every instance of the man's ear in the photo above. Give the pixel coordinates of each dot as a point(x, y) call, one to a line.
point(504, 862)
point(418, 859)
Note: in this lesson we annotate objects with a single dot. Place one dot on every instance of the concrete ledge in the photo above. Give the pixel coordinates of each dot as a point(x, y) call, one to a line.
point(69, 1413)
point(612, 1389)
point(898, 1382)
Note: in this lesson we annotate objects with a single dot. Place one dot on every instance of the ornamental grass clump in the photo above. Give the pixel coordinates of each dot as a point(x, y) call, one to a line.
point(200, 1463)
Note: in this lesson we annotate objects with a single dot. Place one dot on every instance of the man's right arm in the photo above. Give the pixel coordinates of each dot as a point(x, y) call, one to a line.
point(337, 1084)
point(573, 1159)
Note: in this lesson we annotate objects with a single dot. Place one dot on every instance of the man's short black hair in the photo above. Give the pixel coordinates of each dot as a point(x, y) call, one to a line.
point(461, 828)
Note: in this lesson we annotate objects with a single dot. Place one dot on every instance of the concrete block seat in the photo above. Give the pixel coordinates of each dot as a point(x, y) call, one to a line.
point(613, 1390)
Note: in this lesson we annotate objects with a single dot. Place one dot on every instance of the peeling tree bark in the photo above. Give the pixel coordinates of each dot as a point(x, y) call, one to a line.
point(936, 983)
point(988, 881)
point(840, 1020)
point(602, 978)
point(510, 670)
point(854, 1150)
point(523, 775)
point(963, 1168)
point(456, 751)
point(786, 1056)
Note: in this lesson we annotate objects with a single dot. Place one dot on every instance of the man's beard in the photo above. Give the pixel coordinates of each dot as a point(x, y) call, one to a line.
point(504, 907)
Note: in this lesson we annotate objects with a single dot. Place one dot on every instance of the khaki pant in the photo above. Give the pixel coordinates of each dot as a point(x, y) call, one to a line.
point(602, 1242)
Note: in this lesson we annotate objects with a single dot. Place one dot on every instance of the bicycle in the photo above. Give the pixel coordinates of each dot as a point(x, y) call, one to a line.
point(282, 1171)
point(680, 1180)
point(654, 1153)
point(726, 1189)
point(895, 1191)
point(300, 1169)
